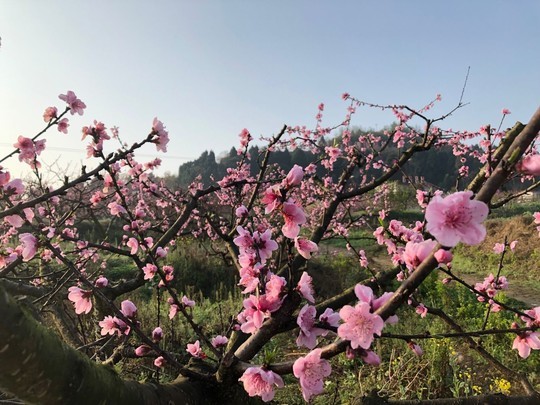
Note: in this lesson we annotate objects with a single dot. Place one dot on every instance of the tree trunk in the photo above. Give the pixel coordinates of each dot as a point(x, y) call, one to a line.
point(38, 368)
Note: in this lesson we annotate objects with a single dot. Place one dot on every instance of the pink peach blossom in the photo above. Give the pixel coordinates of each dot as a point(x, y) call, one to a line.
point(305, 247)
point(272, 198)
point(443, 256)
point(360, 325)
point(133, 244)
point(111, 325)
point(128, 308)
point(82, 299)
point(187, 302)
point(294, 217)
point(29, 243)
point(416, 349)
point(241, 212)
point(159, 362)
point(529, 165)
point(526, 341)
point(219, 341)
point(305, 287)
point(75, 105)
point(195, 349)
point(149, 271)
point(294, 177)
point(456, 218)
point(63, 125)
point(260, 382)
point(142, 350)
point(162, 135)
point(415, 253)
point(157, 334)
point(50, 113)
point(101, 282)
point(311, 370)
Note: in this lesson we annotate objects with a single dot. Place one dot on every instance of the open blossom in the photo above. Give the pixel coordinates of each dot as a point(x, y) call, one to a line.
point(260, 243)
point(116, 209)
point(498, 248)
point(421, 310)
point(75, 105)
point(308, 332)
point(162, 135)
point(149, 271)
point(133, 244)
point(360, 325)
point(187, 302)
point(311, 370)
point(305, 287)
point(195, 349)
point(50, 113)
point(111, 325)
point(219, 341)
point(305, 247)
point(29, 243)
point(526, 341)
point(241, 212)
point(82, 299)
point(529, 165)
point(456, 218)
point(272, 198)
point(63, 125)
point(27, 149)
point(260, 382)
point(294, 217)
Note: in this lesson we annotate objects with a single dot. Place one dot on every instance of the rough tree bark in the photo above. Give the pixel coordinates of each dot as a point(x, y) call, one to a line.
point(38, 368)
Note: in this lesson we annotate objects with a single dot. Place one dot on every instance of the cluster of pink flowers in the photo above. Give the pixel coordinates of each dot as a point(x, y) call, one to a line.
point(111, 324)
point(245, 138)
point(258, 308)
point(275, 199)
point(490, 286)
point(98, 133)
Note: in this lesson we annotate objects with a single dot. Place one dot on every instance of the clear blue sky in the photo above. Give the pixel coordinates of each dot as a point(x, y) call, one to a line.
point(208, 69)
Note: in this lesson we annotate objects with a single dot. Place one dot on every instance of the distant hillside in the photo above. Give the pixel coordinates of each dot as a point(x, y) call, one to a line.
point(438, 167)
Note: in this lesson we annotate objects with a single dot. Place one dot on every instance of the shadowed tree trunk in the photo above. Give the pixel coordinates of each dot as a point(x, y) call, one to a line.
point(38, 368)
